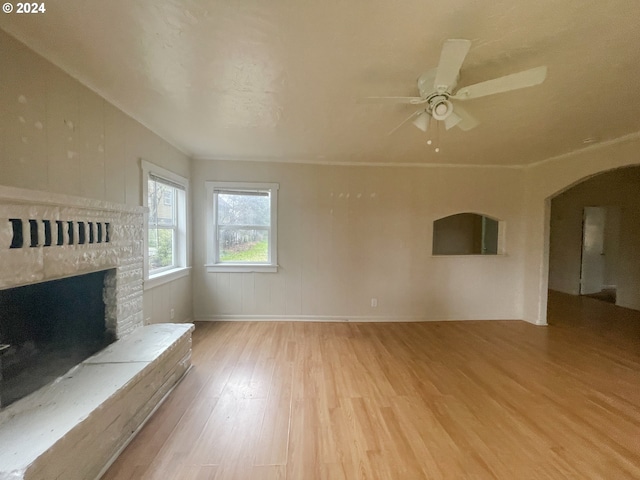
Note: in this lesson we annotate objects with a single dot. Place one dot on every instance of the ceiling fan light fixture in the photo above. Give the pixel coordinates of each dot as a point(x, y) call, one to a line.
point(422, 122)
point(452, 120)
point(441, 109)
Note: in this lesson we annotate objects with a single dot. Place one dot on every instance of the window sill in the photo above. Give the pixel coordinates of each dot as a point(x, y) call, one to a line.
point(166, 277)
point(228, 268)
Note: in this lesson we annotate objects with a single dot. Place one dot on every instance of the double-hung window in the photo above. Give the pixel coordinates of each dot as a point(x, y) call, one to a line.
point(243, 227)
point(165, 196)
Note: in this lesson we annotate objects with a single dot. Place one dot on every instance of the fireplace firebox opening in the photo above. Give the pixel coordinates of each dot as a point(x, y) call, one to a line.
point(48, 328)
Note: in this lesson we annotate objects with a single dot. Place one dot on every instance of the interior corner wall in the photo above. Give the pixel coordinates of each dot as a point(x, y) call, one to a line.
point(58, 136)
point(546, 180)
point(347, 234)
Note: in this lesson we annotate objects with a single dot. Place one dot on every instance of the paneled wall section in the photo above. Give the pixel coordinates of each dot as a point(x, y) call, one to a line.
point(347, 235)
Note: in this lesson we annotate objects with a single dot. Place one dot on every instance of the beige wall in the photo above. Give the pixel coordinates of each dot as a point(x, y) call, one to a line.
point(612, 239)
point(349, 234)
point(619, 188)
point(338, 252)
point(58, 136)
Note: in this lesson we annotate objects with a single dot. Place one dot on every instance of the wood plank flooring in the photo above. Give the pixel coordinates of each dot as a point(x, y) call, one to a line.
point(437, 400)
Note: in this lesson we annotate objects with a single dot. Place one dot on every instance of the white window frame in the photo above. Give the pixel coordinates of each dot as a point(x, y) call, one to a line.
point(213, 263)
point(181, 244)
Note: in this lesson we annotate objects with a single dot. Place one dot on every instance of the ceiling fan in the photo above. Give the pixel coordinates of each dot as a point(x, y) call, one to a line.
point(436, 87)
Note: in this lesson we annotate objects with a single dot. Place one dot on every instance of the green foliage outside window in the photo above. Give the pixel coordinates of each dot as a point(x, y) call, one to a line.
point(246, 252)
point(160, 248)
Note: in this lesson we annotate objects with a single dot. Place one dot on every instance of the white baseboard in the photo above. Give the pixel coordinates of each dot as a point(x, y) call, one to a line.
point(334, 319)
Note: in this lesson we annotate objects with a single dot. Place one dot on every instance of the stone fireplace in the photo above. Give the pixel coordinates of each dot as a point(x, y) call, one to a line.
point(45, 236)
point(64, 262)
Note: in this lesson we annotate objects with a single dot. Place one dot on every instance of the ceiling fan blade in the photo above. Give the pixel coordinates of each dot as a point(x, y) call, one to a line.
point(452, 120)
point(515, 81)
point(451, 58)
point(410, 117)
point(467, 122)
point(409, 100)
point(422, 121)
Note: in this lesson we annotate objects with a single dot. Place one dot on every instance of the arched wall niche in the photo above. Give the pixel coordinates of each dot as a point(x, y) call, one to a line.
point(468, 233)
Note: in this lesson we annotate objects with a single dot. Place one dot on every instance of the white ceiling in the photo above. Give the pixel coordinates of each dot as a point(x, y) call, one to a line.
point(279, 79)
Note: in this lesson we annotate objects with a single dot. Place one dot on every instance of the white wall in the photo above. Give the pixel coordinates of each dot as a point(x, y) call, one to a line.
point(348, 234)
point(547, 179)
point(58, 136)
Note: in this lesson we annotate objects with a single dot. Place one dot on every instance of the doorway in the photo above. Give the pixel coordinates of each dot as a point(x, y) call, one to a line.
point(600, 240)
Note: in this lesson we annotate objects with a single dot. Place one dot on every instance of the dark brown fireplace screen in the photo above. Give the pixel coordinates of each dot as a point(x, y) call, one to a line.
point(46, 329)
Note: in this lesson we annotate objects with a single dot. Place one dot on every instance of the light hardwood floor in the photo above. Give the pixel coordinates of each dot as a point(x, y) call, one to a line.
point(433, 400)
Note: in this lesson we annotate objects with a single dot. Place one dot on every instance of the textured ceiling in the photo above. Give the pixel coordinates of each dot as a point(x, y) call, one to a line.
point(280, 79)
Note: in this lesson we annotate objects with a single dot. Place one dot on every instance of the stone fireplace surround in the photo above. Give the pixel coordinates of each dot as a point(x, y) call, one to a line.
point(74, 427)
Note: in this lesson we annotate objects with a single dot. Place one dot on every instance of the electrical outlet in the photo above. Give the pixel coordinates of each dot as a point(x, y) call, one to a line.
point(374, 302)
point(172, 314)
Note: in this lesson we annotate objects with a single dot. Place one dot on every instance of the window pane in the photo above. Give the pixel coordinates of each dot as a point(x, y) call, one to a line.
point(167, 197)
point(244, 209)
point(151, 200)
point(161, 204)
point(243, 245)
point(161, 248)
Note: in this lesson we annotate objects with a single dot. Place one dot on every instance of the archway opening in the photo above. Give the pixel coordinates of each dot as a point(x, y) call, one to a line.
point(594, 239)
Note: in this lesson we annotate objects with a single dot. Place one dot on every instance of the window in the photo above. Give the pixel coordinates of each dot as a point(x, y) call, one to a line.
point(467, 234)
point(243, 227)
point(165, 196)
